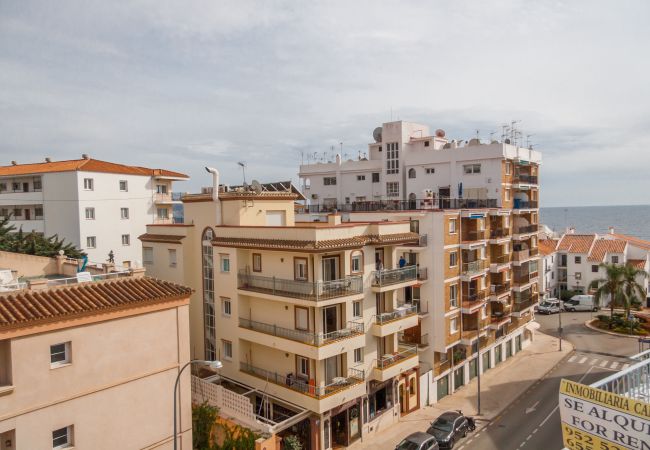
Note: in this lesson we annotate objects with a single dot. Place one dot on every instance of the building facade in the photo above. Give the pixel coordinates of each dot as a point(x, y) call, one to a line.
point(90, 362)
point(96, 205)
point(476, 205)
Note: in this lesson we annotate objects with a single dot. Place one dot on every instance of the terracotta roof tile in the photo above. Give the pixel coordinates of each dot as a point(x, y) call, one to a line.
point(87, 165)
point(576, 243)
point(166, 238)
point(602, 247)
point(633, 240)
point(547, 246)
point(28, 308)
point(637, 263)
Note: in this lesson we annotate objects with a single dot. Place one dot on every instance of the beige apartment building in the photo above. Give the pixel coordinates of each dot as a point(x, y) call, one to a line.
point(307, 318)
point(89, 360)
point(475, 206)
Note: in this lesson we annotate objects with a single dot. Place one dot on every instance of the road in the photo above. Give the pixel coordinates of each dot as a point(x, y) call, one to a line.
point(533, 421)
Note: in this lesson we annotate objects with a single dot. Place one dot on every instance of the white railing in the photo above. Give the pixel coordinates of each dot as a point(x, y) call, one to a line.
point(633, 382)
point(13, 286)
point(88, 278)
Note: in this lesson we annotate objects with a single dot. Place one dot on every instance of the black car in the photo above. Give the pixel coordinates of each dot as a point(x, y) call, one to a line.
point(418, 441)
point(448, 428)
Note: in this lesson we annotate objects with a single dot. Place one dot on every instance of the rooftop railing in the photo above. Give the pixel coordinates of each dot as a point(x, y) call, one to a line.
point(83, 277)
point(289, 381)
point(306, 290)
point(399, 313)
point(404, 352)
point(306, 337)
point(394, 276)
point(400, 205)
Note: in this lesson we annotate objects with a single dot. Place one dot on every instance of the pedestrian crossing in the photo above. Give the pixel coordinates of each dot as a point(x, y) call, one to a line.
point(599, 361)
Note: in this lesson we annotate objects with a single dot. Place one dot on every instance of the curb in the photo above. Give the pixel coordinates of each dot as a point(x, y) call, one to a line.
point(612, 333)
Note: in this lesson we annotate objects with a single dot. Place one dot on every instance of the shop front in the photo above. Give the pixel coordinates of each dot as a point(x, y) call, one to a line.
point(344, 424)
point(408, 389)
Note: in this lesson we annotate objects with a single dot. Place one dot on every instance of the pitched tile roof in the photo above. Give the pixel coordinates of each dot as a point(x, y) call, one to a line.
point(576, 243)
point(86, 165)
point(602, 246)
point(164, 238)
point(547, 246)
point(30, 307)
point(636, 263)
point(633, 240)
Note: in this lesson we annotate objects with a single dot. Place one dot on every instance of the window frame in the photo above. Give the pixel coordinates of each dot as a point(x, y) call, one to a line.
point(329, 181)
point(359, 359)
point(390, 189)
point(357, 305)
point(453, 299)
point(306, 264)
point(296, 323)
point(67, 355)
point(356, 256)
point(225, 346)
point(453, 325)
point(94, 242)
point(577, 260)
point(146, 250)
point(126, 185)
point(224, 260)
point(128, 240)
point(69, 439)
point(173, 262)
point(303, 362)
point(455, 254)
point(91, 210)
point(89, 184)
point(257, 262)
point(124, 213)
point(453, 226)
point(375, 177)
point(226, 307)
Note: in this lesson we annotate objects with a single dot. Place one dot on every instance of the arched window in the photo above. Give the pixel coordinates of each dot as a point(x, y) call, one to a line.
point(207, 253)
point(411, 173)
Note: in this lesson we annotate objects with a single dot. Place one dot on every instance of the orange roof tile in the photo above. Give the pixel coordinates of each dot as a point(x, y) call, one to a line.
point(603, 246)
point(547, 246)
point(576, 243)
point(86, 165)
point(633, 240)
point(28, 308)
point(636, 263)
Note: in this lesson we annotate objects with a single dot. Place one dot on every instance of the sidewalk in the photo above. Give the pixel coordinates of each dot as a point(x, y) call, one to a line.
point(499, 387)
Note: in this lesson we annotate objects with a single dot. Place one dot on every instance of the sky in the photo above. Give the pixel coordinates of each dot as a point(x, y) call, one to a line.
point(185, 84)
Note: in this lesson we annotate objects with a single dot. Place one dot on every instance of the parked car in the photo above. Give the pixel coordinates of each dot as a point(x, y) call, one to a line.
point(418, 441)
point(581, 303)
point(549, 306)
point(449, 428)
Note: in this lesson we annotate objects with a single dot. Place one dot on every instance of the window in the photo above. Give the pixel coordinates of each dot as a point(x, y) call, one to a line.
point(147, 255)
point(62, 438)
point(578, 259)
point(430, 170)
point(89, 184)
point(91, 242)
point(301, 317)
point(226, 307)
point(124, 186)
point(453, 325)
point(411, 173)
point(171, 252)
point(578, 276)
point(594, 268)
point(358, 355)
point(507, 194)
point(508, 168)
point(453, 259)
point(302, 367)
point(356, 309)
point(375, 177)
point(126, 239)
point(453, 296)
point(356, 262)
point(163, 213)
point(38, 184)
point(161, 188)
point(38, 212)
point(471, 168)
point(208, 295)
point(3, 186)
point(257, 262)
point(224, 263)
point(614, 259)
point(392, 189)
point(300, 269)
point(392, 157)
point(59, 354)
point(452, 226)
point(329, 181)
point(4, 212)
point(227, 349)
point(361, 177)
point(18, 212)
point(90, 213)
point(427, 143)
point(124, 213)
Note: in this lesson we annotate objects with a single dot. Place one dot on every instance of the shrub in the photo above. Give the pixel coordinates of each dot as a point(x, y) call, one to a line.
point(203, 419)
point(291, 442)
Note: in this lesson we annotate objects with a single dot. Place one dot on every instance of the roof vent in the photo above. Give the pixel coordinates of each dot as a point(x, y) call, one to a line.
point(48, 159)
point(85, 156)
point(14, 163)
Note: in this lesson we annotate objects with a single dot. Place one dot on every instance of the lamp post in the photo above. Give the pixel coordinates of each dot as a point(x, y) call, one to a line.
point(478, 370)
point(213, 364)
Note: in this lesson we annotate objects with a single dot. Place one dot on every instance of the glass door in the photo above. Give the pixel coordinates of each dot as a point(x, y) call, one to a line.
point(330, 268)
point(332, 369)
point(330, 319)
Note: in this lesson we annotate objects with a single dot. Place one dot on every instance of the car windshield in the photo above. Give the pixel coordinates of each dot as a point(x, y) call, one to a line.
point(547, 304)
point(442, 425)
point(407, 445)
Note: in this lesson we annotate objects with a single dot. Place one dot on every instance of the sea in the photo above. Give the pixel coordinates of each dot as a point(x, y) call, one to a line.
point(631, 220)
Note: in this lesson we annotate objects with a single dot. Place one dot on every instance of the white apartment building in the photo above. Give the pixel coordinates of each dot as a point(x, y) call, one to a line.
point(476, 207)
point(97, 205)
point(549, 264)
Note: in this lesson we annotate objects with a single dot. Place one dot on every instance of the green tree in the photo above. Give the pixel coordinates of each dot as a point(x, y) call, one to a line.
point(17, 241)
point(612, 285)
point(203, 420)
point(634, 292)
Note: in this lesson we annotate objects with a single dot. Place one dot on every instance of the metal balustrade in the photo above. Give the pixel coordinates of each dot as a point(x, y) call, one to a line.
point(404, 352)
point(498, 233)
point(289, 381)
point(473, 266)
point(399, 313)
point(526, 229)
point(633, 382)
point(306, 337)
point(306, 290)
point(522, 305)
point(394, 276)
point(525, 204)
point(524, 178)
point(474, 235)
point(473, 296)
point(400, 205)
point(498, 289)
point(501, 259)
point(80, 279)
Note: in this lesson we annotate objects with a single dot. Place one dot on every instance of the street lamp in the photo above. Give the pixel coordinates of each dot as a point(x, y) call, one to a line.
point(213, 365)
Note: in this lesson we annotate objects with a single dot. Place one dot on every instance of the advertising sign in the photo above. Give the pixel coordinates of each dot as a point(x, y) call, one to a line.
point(593, 419)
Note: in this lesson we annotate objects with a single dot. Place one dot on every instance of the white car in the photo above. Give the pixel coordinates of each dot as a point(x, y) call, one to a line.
point(549, 306)
point(581, 303)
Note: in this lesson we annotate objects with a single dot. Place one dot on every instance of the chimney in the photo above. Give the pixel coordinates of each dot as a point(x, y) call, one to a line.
point(48, 159)
point(334, 219)
point(611, 230)
point(85, 156)
point(14, 163)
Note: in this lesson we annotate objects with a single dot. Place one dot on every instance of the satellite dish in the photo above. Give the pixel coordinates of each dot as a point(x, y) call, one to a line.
point(440, 133)
point(244, 186)
point(256, 186)
point(376, 134)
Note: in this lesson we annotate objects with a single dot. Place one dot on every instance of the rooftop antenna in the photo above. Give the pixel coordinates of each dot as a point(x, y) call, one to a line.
point(478, 133)
point(528, 136)
point(243, 169)
point(492, 133)
point(504, 132)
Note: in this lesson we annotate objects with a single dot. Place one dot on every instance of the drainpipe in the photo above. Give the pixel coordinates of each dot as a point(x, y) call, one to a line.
point(215, 191)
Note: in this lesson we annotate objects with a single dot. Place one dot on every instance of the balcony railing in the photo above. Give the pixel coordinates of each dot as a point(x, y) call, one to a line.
point(474, 296)
point(499, 233)
point(306, 337)
point(401, 205)
point(633, 382)
point(422, 241)
point(84, 277)
point(305, 290)
point(160, 198)
point(534, 251)
point(501, 259)
point(526, 229)
point(522, 305)
point(525, 204)
point(394, 276)
point(473, 266)
point(474, 235)
point(418, 340)
point(524, 178)
point(523, 278)
point(421, 306)
point(521, 255)
point(498, 289)
point(441, 366)
point(289, 381)
point(404, 352)
point(399, 313)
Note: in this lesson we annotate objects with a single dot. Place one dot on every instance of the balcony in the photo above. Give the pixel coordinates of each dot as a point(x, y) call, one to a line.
point(475, 235)
point(499, 233)
point(164, 198)
point(401, 205)
point(441, 367)
point(288, 381)
point(521, 255)
point(473, 301)
point(303, 290)
point(421, 341)
point(525, 277)
point(394, 277)
point(519, 308)
point(391, 365)
point(500, 289)
point(525, 204)
point(499, 319)
point(314, 339)
point(498, 262)
point(473, 267)
point(526, 229)
point(525, 179)
point(421, 243)
point(402, 318)
point(423, 274)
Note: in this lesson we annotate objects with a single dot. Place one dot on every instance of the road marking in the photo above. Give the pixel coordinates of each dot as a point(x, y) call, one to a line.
point(582, 360)
point(614, 365)
point(532, 408)
point(573, 358)
point(594, 361)
point(604, 363)
point(625, 366)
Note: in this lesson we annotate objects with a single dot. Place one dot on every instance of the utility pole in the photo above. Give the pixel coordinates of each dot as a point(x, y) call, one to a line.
point(559, 315)
point(478, 370)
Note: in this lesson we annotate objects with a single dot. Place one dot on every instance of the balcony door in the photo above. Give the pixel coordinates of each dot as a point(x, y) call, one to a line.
point(28, 214)
point(332, 369)
point(330, 319)
point(330, 268)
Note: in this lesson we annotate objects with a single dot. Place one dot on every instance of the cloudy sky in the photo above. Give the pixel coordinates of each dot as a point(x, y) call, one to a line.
point(184, 84)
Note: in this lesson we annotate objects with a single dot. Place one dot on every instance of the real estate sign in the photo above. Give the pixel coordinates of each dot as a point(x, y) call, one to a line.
point(593, 419)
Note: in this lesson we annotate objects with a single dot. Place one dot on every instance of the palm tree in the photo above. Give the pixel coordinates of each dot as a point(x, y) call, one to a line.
point(633, 290)
point(613, 286)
